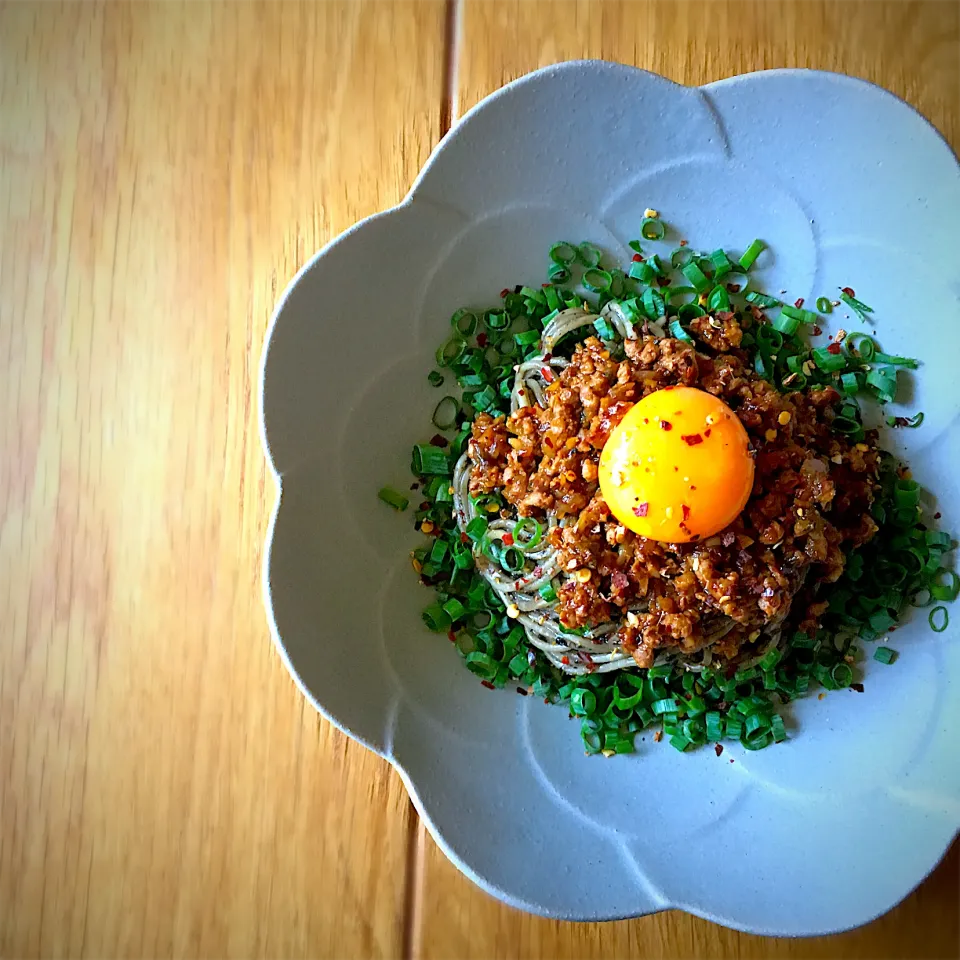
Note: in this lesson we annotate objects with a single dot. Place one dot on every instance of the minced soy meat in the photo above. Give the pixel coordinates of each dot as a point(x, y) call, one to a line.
point(810, 501)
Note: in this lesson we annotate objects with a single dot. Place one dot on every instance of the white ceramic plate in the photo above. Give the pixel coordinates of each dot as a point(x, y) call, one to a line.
point(848, 185)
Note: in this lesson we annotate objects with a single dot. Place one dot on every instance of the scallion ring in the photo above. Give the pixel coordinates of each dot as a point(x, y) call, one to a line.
point(451, 351)
point(445, 413)
point(824, 305)
point(589, 254)
point(652, 228)
point(597, 280)
point(527, 533)
point(464, 322)
point(563, 253)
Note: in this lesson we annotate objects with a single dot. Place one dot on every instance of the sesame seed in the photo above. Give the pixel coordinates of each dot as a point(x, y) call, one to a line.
point(784, 418)
point(771, 435)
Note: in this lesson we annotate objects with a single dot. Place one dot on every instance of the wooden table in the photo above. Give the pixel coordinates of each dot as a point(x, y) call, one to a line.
point(164, 170)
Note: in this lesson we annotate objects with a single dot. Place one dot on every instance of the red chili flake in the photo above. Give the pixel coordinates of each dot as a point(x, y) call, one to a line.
point(464, 538)
point(637, 258)
point(833, 348)
point(437, 440)
point(425, 505)
point(505, 292)
point(816, 331)
point(848, 291)
point(733, 287)
point(718, 749)
point(547, 374)
point(641, 509)
point(481, 339)
point(544, 284)
point(692, 439)
point(676, 469)
point(508, 539)
point(937, 515)
point(686, 511)
point(646, 419)
point(521, 691)
point(487, 684)
point(565, 660)
point(692, 487)
point(798, 303)
point(414, 485)
point(731, 759)
point(663, 281)
point(683, 243)
point(658, 736)
point(666, 425)
point(706, 432)
point(451, 636)
point(857, 686)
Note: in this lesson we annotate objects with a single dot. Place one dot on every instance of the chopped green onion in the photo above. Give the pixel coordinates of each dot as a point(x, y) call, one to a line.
point(913, 421)
point(527, 338)
point(589, 254)
point(563, 253)
point(777, 728)
point(751, 253)
point(885, 654)
point(597, 280)
point(547, 592)
point(786, 324)
point(850, 383)
point(393, 499)
point(436, 618)
point(827, 361)
point(435, 378)
point(557, 273)
point(667, 705)
point(445, 413)
point(583, 702)
point(653, 304)
point(527, 533)
point(603, 328)
point(858, 307)
point(688, 312)
point(676, 330)
point(884, 380)
point(652, 228)
point(824, 305)
point(804, 316)
point(428, 459)
point(464, 322)
point(451, 351)
point(762, 300)
point(896, 361)
point(721, 264)
point(719, 299)
point(939, 623)
point(940, 591)
point(681, 257)
point(698, 279)
point(642, 271)
point(476, 529)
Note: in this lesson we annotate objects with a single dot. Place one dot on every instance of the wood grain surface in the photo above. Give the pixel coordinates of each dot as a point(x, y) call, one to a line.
point(164, 170)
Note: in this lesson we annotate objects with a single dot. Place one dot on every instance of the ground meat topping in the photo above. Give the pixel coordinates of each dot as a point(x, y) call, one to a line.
point(810, 501)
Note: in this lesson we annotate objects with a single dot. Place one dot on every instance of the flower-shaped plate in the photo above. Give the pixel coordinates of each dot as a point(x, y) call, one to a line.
point(847, 185)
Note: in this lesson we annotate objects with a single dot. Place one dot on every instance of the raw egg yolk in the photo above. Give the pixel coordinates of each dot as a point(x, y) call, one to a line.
point(677, 467)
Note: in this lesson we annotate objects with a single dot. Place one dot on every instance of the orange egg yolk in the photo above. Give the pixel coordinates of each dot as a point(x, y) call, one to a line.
point(677, 467)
